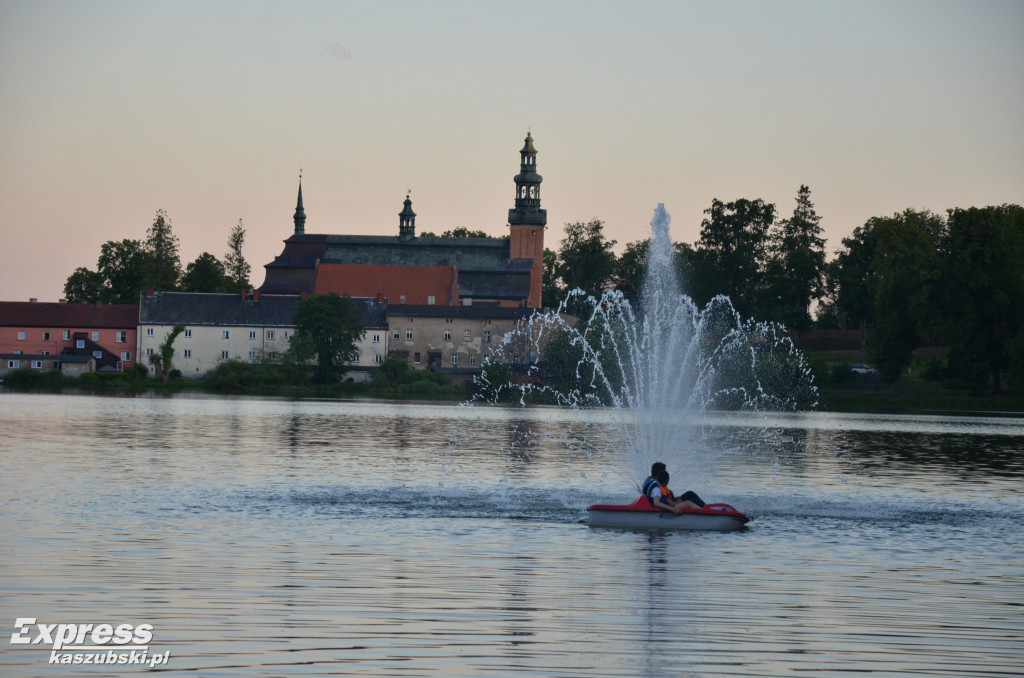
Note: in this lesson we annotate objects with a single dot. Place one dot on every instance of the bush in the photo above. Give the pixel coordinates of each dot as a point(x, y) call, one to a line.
point(843, 374)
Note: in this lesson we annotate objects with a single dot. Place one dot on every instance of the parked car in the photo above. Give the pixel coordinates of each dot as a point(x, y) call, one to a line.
point(861, 368)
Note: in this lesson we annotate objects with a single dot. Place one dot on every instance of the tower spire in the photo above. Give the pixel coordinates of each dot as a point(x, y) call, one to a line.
point(407, 219)
point(300, 213)
point(527, 209)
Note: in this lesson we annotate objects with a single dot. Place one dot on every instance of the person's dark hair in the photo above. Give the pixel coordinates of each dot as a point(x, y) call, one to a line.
point(656, 467)
point(663, 477)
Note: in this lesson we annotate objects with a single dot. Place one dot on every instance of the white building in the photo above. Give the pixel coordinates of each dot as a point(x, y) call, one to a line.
point(223, 327)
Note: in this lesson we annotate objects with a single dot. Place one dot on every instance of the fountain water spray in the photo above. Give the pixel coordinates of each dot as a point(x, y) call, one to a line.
point(654, 377)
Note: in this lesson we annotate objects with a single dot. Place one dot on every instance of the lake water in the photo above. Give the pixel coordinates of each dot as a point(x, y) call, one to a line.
point(266, 537)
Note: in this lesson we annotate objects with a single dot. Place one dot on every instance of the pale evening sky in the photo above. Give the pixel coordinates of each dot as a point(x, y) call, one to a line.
point(112, 110)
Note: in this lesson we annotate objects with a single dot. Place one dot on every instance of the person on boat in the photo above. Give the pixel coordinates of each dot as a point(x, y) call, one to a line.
point(652, 479)
point(661, 496)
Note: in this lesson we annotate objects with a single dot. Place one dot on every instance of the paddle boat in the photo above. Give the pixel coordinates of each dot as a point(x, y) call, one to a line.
point(642, 515)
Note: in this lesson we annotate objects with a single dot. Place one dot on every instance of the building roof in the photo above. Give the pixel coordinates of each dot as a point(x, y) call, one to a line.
point(476, 312)
point(265, 310)
point(413, 283)
point(48, 314)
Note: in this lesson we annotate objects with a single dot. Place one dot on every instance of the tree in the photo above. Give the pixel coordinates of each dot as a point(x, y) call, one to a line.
point(206, 274)
point(551, 294)
point(163, 359)
point(460, 232)
point(236, 268)
point(904, 270)
point(164, 266)
point(631, 269)
point(798, 263)
point(586, 260)
point(982, 292)
point(122, 265)
point(84, 286)
point(733, 248)
point(327, 328)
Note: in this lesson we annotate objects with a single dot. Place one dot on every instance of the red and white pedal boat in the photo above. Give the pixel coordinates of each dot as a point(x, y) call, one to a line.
point(640, 514)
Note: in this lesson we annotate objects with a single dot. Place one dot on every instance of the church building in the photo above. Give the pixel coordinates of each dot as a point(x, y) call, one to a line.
point(411, 269)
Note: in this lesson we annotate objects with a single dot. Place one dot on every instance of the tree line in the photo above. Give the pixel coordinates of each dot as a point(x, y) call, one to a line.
point(903, 280)
point(128, 267)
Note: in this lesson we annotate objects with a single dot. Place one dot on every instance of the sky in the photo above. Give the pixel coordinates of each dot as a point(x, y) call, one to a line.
point(110, 111)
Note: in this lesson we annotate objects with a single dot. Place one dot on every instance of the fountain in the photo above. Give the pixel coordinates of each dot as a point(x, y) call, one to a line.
point(652, 380)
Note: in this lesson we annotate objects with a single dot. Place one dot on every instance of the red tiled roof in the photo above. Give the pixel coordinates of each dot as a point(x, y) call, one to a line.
point(415, 283)
point(50, 314)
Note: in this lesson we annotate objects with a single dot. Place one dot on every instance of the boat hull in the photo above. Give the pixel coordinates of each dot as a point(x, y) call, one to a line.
point(641, 515)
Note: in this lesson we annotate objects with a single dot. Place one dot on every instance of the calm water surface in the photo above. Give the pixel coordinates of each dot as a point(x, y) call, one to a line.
point(272, 538)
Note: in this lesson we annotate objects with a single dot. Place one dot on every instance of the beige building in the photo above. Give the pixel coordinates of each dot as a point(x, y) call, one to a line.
point(454, 339)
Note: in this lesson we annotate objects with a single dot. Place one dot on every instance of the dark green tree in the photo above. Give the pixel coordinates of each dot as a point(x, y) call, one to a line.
point(551, 293)
point(981, 300)
point(902, 282)
point(236, 268)
point(631, 269)
point(122, 265)
point(84, 286)
point(796, 272)
point(732, 251)
point(206, 274)
point(586, 260)
point(327, 328)
point(460, 232)
point(164, 265)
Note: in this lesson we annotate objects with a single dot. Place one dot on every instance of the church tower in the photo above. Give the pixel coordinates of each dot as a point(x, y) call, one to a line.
point(527, 221)
point(300, 213)
point(407, 221)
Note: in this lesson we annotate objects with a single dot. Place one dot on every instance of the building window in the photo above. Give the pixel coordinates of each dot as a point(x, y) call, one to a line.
point(401, 298)
point(447, 335)
point(376, 338)
point(80, 343)
point(97, 354)
point(468, 335)
point(14, 364)
point(270, 334)
point(416, 358)
point(149, 331)
point(46, 336)
point(67, 335)
point(487, 336)
point(397, 335)
point(430, 301)
point(378, 358)
point(188, 334)
point(472, 360)
point(149, 351)
point(126, 355)
point(120, 337)
point(455, 358)
point(408, 335)
point(19, 352)
point(252, 355)
point(188, 353)
point(44, 353)
point(21, 336)
point(359, 356)
point(223, 355)
point(225, 334)
point(95, 335)
point(252, 334)
point(38, 364)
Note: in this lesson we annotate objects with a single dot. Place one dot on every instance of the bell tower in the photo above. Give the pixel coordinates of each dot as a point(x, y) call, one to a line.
point(527, 221)
point(300, 214)
point(407, 220)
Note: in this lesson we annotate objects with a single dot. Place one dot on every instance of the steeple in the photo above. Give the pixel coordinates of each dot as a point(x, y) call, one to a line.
point(300, 213)
point(407, 220)
point(527, 210)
